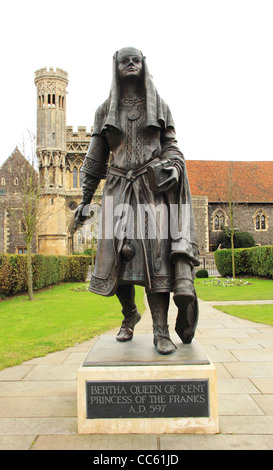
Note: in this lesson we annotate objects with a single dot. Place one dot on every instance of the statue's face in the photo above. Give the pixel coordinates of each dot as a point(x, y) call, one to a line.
point(129, 63)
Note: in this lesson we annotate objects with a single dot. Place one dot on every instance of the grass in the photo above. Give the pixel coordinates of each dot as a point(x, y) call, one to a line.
point(57, 318)
point(67, 314)
point(255, 313)
point(226, 289)
point(218, 289)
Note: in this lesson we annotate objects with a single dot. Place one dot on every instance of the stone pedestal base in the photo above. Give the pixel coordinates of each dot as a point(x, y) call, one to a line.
point(129, 388)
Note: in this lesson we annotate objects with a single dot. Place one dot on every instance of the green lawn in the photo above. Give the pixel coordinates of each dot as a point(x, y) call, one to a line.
point(67, 314)
point(219, 289)
point(222, 289)
point(57, 318)
point(255, 313)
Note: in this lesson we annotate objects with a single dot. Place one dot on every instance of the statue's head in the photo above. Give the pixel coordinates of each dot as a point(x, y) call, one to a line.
point(129, 63)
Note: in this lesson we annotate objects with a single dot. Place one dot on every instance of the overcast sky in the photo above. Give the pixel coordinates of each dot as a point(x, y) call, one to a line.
point(211, 60)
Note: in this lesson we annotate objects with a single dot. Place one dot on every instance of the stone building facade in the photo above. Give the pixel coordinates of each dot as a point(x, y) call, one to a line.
point(12, 177)
point(61, 151)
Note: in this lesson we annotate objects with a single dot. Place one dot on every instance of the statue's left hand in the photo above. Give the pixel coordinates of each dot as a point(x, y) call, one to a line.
point(163, 176)
point(171, 180)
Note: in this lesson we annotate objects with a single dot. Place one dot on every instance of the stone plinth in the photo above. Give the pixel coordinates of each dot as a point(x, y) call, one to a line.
point(129, 388)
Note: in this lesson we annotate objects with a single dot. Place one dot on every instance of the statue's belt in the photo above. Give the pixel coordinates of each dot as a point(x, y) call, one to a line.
point(131, 175)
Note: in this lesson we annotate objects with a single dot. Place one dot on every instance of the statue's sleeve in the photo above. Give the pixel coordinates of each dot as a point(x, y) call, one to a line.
point(95, 164)
point(97, 157)
point(96, 160)
point(169, 146)
point(170, 150)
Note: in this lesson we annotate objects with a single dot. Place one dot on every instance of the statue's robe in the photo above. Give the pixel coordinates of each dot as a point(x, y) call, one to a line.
point(139, 233)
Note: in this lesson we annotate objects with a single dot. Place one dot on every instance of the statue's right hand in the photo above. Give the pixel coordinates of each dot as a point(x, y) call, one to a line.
point(79, 218)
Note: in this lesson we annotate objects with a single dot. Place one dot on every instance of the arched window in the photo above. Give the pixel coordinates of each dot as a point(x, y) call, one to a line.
point(81, 237)
point(260, 220)
point(219, 220)
point(22, 226)
point(16, 181)
point(81, 178)
point(75, 177)
point(3, 181)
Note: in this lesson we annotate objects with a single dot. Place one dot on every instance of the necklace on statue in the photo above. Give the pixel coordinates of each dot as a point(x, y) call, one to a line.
point(133, 112)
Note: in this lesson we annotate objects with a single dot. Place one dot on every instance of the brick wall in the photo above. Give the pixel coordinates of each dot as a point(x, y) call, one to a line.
point(244, 215)
point(11, 177)
point(200, 211)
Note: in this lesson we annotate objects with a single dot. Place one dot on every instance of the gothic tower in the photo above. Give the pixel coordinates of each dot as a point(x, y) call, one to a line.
point(51, 124)
point(51, 152)
point(61, 152)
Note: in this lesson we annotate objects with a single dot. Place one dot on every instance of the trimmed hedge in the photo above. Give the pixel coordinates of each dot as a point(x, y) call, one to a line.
point(257, 261)
point(202, 273)
point(46, 270)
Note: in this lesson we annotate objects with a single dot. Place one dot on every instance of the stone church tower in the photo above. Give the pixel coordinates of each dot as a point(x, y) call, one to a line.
point(60, 153)
point(51, 124)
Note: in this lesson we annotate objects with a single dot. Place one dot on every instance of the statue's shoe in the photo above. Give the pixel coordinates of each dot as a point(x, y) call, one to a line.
point(162, 340)
point(186, 320)
point(126, 331)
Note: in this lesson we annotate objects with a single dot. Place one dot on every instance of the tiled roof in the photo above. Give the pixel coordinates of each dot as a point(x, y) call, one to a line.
point(14, 157)
point(251, 181)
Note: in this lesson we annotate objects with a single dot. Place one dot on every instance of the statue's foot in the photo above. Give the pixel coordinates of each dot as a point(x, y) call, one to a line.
point(126, 331)
point(162, 340)
point(187, 335)
point(184, 293)
point(186, 321)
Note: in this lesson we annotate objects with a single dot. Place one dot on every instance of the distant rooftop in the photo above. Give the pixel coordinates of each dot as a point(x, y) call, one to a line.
point(251, 181)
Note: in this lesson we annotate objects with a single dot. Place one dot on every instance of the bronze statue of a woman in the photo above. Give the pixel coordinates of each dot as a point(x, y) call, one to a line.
point(147, 233)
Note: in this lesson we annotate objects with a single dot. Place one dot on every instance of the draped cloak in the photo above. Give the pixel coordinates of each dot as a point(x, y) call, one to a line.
point(127, 136)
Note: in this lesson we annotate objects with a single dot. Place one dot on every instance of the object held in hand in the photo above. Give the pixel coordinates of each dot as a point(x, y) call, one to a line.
point(162, 176)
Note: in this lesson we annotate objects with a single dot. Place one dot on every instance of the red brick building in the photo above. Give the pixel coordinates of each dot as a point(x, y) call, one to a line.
point(248, 184)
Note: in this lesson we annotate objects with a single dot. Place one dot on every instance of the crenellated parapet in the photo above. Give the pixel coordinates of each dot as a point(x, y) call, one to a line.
point(50, 73)
point(77, 142)
point(51, 108)
point(80, 134)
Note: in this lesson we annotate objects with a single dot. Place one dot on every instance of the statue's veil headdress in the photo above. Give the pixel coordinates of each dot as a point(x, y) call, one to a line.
point(158, 113)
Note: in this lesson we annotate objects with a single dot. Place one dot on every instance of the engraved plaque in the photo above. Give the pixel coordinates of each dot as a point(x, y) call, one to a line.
point(147, 399)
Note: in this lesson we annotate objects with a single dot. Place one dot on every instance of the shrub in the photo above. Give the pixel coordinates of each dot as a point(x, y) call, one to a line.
point(202, 273)
point(77, 268)
point(46, 270)
point(241, 239)
point(256, 261)
point(13, 274)
point(262, 260)
point(88, 251)
point(223, 262)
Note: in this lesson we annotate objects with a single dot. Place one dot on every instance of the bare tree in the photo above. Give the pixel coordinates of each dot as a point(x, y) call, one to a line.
point(33, 210)
point(231, 205)
point(229, 197)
